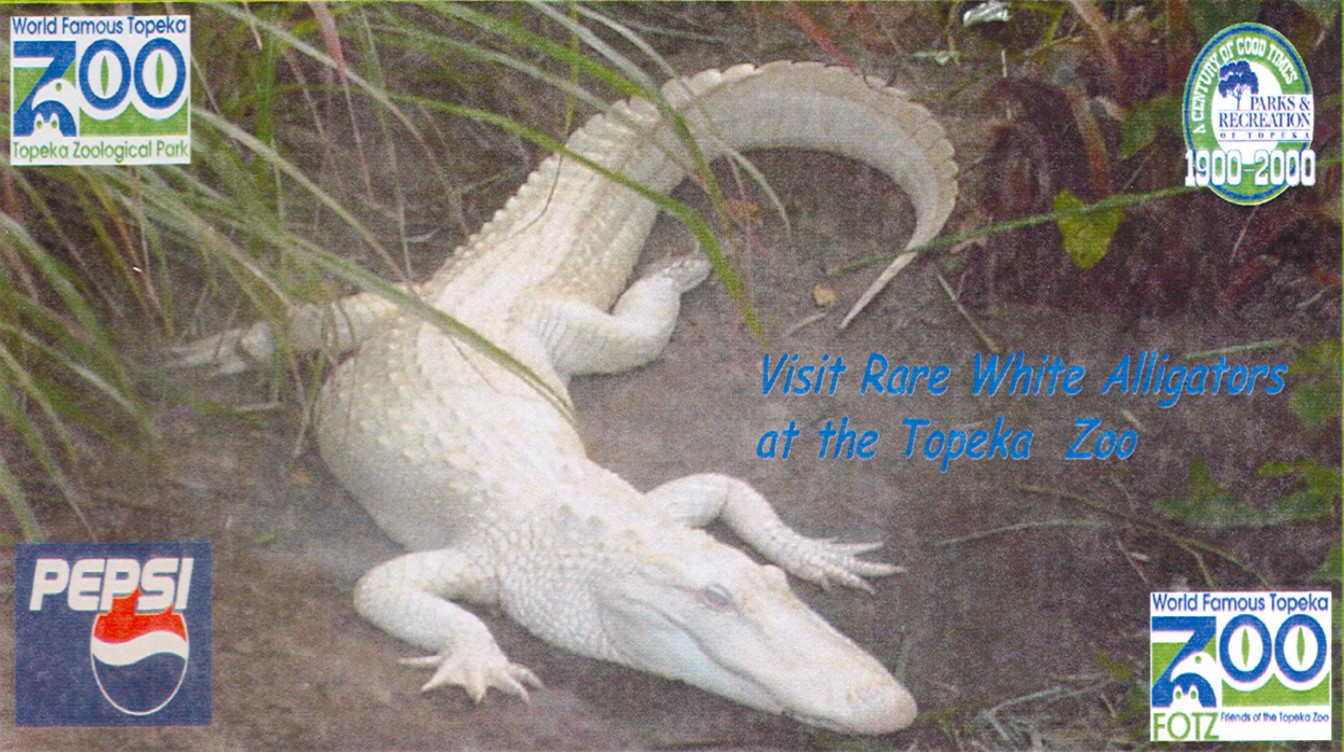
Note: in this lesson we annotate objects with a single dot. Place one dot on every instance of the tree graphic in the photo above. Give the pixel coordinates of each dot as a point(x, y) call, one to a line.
point(1236, 78)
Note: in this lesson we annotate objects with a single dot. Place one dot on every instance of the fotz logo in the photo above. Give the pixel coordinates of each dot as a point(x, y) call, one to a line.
point(112, 634)
point(1248, 116)
point(1240, 666)
point(100, 90)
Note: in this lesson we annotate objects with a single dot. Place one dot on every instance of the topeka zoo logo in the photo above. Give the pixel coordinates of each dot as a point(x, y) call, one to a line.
point(1240, 666)
point(114, 634)
point(1248, 116)
point(100, 90)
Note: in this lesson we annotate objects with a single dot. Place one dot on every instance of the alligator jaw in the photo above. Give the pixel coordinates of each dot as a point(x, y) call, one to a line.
point(721, 622)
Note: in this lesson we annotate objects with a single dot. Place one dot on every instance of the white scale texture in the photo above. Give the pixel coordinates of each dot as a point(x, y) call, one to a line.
point(475, 471)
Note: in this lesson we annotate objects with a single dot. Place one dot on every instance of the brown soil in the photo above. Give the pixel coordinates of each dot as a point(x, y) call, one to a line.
point(1022, 606)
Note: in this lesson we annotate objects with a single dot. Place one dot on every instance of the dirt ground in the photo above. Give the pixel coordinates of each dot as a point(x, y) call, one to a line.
point(974, 625)
point(1021, 618)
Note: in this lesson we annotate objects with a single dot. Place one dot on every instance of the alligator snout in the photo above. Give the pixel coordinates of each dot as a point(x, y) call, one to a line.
point(878, 708)
point(868, 701)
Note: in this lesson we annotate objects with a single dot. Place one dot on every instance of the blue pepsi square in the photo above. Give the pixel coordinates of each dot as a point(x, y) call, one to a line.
point(112, 634)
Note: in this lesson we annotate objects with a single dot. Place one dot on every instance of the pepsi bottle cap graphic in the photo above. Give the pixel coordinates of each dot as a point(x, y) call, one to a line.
point(139, 660)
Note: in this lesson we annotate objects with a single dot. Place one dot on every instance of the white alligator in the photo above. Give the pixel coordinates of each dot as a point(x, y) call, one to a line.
point(485, 479)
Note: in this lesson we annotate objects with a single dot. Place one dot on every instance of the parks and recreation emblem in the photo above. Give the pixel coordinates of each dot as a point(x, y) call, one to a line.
point(112, 634)
point(1240, 666)
point(99, 90)
point(1248, 116)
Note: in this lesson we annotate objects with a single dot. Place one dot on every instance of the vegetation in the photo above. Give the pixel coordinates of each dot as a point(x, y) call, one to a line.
point(327, 159)
point(101, 262)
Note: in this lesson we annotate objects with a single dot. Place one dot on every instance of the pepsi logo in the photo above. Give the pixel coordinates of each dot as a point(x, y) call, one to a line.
point(112, 634)
point(139, 660)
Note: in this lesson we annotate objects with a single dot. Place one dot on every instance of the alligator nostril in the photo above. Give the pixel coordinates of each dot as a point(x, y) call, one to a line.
point(881, 708)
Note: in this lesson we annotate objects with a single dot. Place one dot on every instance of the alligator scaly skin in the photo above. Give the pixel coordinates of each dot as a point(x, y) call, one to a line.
point(486, 481)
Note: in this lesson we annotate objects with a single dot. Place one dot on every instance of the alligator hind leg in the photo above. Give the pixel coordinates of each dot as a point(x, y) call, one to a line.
point(408, 597)
point(340, 325)
point(698, 500)
point(584, 339)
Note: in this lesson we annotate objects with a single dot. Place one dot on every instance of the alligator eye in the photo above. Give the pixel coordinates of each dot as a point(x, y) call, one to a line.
point(717, 598)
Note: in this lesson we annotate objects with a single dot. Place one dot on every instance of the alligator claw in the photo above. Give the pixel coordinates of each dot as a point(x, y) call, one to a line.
point(827, 563)
point(225, 354)
point(476, 674)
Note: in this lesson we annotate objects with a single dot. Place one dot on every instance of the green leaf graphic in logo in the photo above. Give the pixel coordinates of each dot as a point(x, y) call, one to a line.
point(159, 73)
point(1245, 647)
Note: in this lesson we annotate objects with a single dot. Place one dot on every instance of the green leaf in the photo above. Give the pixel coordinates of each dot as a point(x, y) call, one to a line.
point(1317, 400)
point(1086, 231)
point(1324, 10)
point(1319, 359)
point(1329, 569)
point(1145, 121)
point(1115, 667)
point(1275, 469)
point(1318, 496)
point(1210, 18)
point(1208, 505)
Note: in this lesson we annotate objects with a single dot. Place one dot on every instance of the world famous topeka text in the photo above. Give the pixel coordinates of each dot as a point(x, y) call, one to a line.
point(1149, 374)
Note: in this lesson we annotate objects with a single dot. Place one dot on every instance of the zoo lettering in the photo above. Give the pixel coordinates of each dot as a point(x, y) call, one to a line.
point(1149, 374)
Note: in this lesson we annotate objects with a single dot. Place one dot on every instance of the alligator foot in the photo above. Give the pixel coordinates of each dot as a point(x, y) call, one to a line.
point(583, 339)
point(698, 500)
point(227, 353)
point(825, 562)
point(476, 671)
point(335, 327)
point(409, 597)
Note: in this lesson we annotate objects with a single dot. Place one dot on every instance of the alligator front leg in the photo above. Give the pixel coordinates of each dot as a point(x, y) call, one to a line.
point(583, 339)
point(408, 597)
point(700, 499)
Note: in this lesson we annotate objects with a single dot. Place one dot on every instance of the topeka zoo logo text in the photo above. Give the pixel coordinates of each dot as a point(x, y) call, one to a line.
point(100, 90)
point(1252, 666)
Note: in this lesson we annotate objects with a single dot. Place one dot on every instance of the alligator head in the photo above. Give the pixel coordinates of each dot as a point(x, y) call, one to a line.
point(689, 607)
